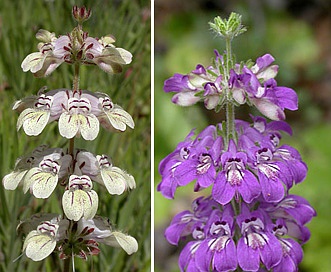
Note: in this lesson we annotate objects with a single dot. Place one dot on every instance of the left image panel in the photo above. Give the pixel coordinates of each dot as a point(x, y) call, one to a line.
point(75, 135)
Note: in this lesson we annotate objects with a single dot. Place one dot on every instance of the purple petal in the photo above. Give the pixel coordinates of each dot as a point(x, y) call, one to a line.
point(272, 188)
point(271, 253)
point(186, 257)
point(248, 258)
point(203, 256)
point(250, 187)
point(222, 191)
point(226, 259)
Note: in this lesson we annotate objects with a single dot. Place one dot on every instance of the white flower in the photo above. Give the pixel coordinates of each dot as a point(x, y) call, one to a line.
point(35, 119)
point(51, 54)
point(113, 178)
point(40, 243)
point(104, 54)
point(42, 180)
point(113, 116)
point(103, 233)
point(78, 120)
point(80, 201)
point(41, 156)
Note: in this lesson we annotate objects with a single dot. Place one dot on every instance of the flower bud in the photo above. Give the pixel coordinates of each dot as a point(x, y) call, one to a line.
point(81, 14)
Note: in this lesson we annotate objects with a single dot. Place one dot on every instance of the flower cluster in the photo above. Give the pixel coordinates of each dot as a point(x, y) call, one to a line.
point(74, 47)
point(242, 170)
point(77, 113)
point(269, 234)
point(250, 221)
point(49, 232)
point(42, 170)
point(71, 170)
point(251, 84)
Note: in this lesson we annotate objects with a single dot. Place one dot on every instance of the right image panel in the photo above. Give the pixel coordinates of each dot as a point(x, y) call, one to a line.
point(242, 118)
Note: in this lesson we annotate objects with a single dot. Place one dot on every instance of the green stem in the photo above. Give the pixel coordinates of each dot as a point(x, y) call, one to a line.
point(66, 265)
point(76, 78)
point(230, 116)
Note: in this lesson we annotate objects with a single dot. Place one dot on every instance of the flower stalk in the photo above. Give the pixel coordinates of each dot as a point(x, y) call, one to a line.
point(250, 222)
point(72, 172)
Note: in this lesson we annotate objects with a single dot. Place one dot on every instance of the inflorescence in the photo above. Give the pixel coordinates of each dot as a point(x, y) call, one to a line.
point(72, 171)
point(250, 222)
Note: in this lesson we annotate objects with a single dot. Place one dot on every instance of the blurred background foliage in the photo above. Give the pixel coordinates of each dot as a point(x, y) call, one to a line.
point(298, 34)
point(129, 21)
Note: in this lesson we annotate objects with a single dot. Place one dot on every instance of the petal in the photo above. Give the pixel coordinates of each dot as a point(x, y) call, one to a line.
point(70, 125)
point(125, 55)
point(203, 256)
point(42, 184)
point(114, 179)
point(222, 191)
point(118, 118)
point(38, 246)
point(49, 65)
point(248, 258)
point(13, 179)
point(271, 253)
point(33, 62)
point(250, 187)
point(33, 121)
point(269, 109)
point(185, 98)
point(119, 239)
point(112, 54)
point(80, 204)
point(272, 188)
point(89, 127)
point(226, 259)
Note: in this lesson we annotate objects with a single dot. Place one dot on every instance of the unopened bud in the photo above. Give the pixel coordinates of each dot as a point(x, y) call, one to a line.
point(81, 14)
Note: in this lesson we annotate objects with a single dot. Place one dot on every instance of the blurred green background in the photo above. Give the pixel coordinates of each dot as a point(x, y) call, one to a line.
point(129, 21)
point(298, 34)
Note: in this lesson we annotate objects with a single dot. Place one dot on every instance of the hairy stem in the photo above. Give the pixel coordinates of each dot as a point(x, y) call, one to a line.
point(230, 115)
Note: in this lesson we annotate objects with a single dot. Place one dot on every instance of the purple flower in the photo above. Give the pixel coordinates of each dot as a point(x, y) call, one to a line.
point(292, 251)
point(235, 179)
point(271, 100)
point(202, 165)
point(184, 223)
point(272, 174)
point(218, 249)
point(257, 242)
point(198, 162)
point(185, 91)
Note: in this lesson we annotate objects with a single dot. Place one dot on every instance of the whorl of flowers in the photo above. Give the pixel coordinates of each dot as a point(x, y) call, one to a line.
point(250, 221)
point(72, 171)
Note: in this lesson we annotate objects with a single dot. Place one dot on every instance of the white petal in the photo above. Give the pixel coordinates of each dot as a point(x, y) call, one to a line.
point(126, 55)
point(89, 127)
point(12, 180)
point(70, 125)
point(114, 179)
point(269, 109)
point(185, 98)
point(80, 204)
point(33, 121)
point(33, 62)
point(131, 182)
point(112, 54)
point(42, 184)
point(119, 239)
point(119, 118)
point(38, 246)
